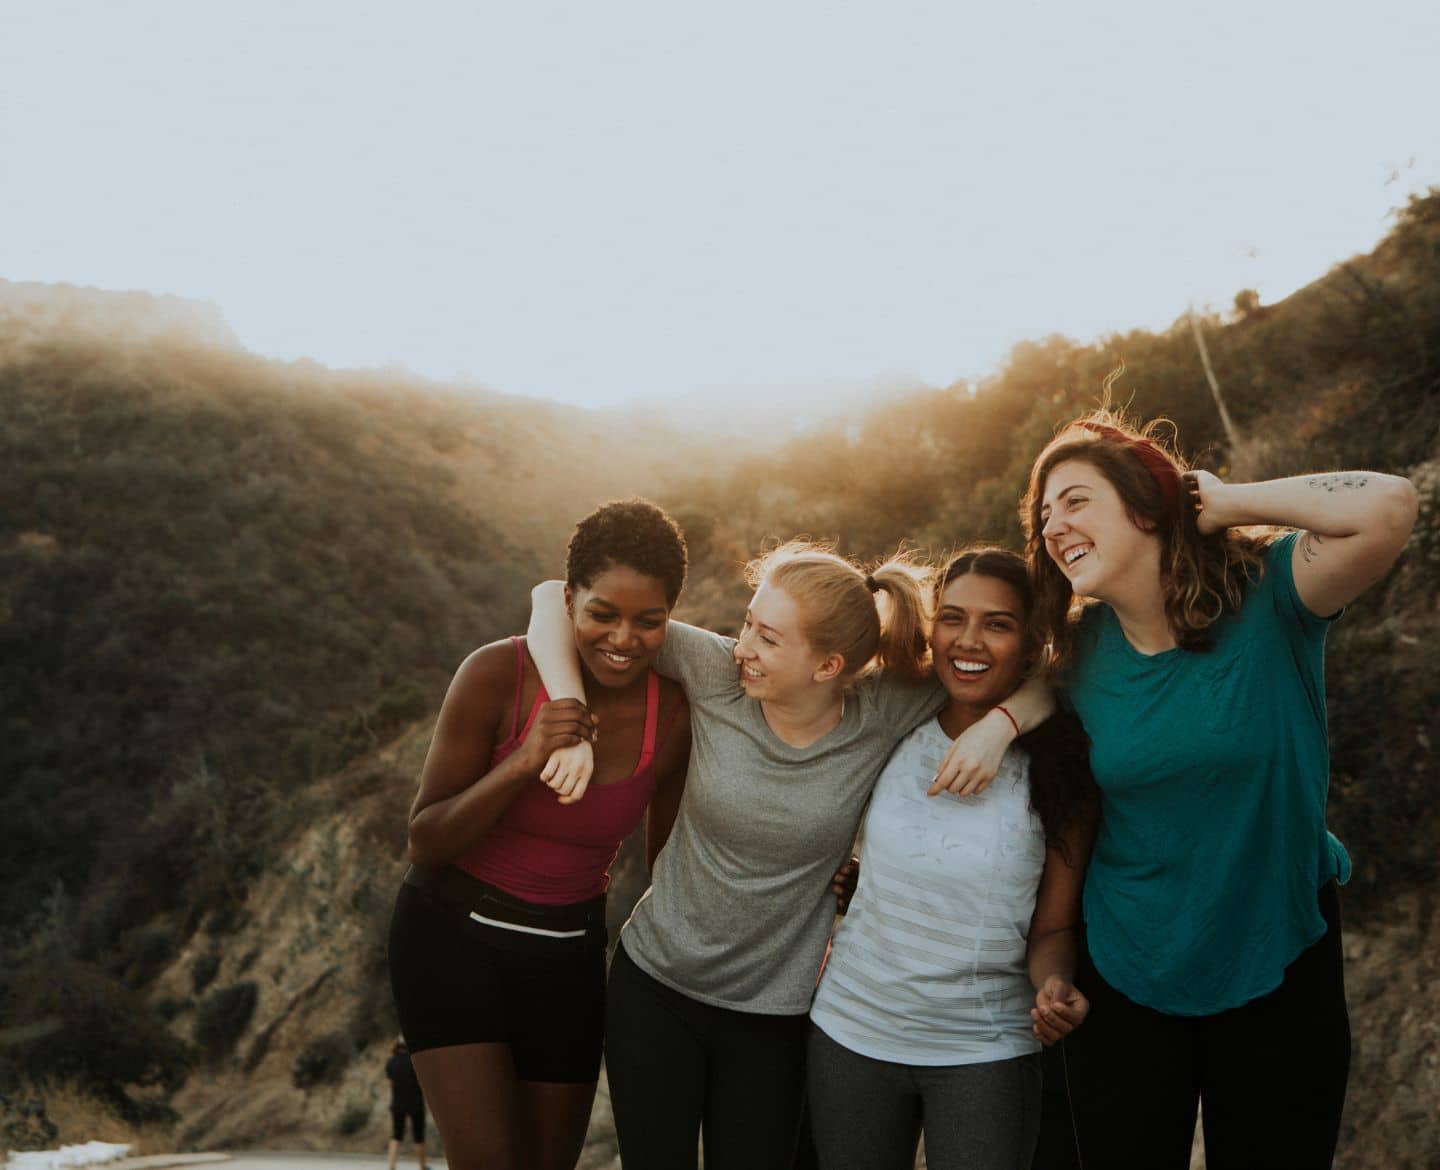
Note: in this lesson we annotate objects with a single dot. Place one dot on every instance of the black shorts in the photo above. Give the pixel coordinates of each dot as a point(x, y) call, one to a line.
point(417, 1124)
point(457, 980)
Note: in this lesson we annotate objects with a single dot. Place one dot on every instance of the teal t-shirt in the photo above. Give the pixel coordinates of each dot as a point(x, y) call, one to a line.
point(1213, 769)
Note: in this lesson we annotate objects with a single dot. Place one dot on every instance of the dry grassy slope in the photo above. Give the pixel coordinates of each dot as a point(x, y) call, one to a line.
point(310, 927)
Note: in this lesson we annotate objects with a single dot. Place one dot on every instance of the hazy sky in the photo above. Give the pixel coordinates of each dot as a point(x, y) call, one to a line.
point(596, 201)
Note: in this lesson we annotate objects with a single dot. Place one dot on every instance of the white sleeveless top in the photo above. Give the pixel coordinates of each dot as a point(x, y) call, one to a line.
point(929, 966)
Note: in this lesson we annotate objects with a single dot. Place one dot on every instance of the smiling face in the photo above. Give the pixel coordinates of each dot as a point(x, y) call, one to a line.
point(1090, 535)
point(619, 622)
point(979, 642)
point(777, 662)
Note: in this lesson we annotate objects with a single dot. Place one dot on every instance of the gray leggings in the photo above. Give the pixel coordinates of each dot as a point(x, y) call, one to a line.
point(867, 1114)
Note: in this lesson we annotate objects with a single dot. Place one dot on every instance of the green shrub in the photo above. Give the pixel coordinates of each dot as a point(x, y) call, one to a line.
point(203, 969)
point(354, 1118)
point(167, 1007)
point(222, 1016)
point(322, 1060)
point(92, 1030)
point(144, 952)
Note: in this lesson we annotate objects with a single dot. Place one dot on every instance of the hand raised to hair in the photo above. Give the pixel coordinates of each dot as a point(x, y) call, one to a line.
point(1202, 496)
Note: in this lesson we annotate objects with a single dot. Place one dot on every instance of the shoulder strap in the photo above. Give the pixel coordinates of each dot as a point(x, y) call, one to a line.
point(519, 685)
point(665, 731)
point(652, 712)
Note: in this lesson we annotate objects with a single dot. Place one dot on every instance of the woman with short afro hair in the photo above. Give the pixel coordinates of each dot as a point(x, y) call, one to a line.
point(497, 943)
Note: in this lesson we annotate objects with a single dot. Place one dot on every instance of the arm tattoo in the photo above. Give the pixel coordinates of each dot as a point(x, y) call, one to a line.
point(1309, 545)
point(1343, 479)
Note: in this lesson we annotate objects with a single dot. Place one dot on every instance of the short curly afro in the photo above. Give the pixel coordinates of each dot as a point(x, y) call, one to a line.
point(634, 533)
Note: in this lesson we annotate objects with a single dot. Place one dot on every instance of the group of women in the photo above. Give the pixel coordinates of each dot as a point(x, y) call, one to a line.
point(1139, 882)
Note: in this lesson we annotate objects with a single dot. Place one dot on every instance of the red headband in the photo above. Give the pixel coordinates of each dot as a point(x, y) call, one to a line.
point(1161, 470)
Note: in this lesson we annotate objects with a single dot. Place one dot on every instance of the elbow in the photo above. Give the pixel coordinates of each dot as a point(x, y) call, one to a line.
point(419, 848)
point(1402, 507)
point(546, 591)
point(1392, 519)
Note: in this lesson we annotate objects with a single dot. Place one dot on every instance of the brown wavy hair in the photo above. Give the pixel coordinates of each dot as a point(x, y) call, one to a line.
point(1202, 577)
point(840, 603)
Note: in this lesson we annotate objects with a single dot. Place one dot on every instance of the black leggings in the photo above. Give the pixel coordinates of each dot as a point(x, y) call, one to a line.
point(417, 1124)
point(1270, 1073)
point(676, 1065)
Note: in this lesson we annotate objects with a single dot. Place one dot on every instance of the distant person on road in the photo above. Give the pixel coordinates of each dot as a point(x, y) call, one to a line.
point(1193, 652)
point(497, 942)
point(406, 1100)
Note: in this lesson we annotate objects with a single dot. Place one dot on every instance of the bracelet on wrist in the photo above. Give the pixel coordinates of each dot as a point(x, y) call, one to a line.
point(1005, 711)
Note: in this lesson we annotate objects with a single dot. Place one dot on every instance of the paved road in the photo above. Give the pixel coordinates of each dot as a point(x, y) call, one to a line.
point(597, 1156)
point(251, 1160)
point(267, 1160)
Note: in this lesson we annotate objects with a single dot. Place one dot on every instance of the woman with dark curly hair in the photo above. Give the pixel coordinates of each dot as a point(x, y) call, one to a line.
point(1193, 654)
point(955, 961)
point(497, 943)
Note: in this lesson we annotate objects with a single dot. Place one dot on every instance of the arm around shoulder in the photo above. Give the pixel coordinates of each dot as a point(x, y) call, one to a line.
point(974, 758)
point(551, 644)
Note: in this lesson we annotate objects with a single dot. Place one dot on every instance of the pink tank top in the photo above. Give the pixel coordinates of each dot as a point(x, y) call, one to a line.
point(552, 853)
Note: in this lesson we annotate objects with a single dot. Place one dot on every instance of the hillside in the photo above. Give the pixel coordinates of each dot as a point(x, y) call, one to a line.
point(231, 592)
point(221, 579)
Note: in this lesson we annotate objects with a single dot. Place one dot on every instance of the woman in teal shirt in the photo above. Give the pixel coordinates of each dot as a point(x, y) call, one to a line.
point(1212, 960)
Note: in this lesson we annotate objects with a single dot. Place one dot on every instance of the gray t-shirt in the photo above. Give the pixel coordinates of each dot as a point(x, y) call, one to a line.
point(740, 907)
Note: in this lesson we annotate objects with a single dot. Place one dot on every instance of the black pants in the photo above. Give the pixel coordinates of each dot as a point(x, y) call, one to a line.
point(1271, 1075)
point(677, 1066)
point(417, 1123)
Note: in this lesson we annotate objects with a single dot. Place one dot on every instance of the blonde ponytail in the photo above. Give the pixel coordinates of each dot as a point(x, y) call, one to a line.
point(841, 607)
point(904, 647)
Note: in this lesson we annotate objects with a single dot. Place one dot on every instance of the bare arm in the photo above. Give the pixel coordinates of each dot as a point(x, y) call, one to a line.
point(974, 758)
point(461, 796)
point(671, 765)
point(551, 643)
point(552, 646)
point(1354, 524)
point(1059, 1006)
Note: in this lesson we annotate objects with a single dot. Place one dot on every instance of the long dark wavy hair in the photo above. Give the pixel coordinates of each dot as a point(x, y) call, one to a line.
point(1202, 577)
point(1062, 789)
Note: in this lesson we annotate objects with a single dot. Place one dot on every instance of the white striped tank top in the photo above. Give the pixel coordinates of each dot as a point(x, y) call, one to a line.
point(928, 966)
